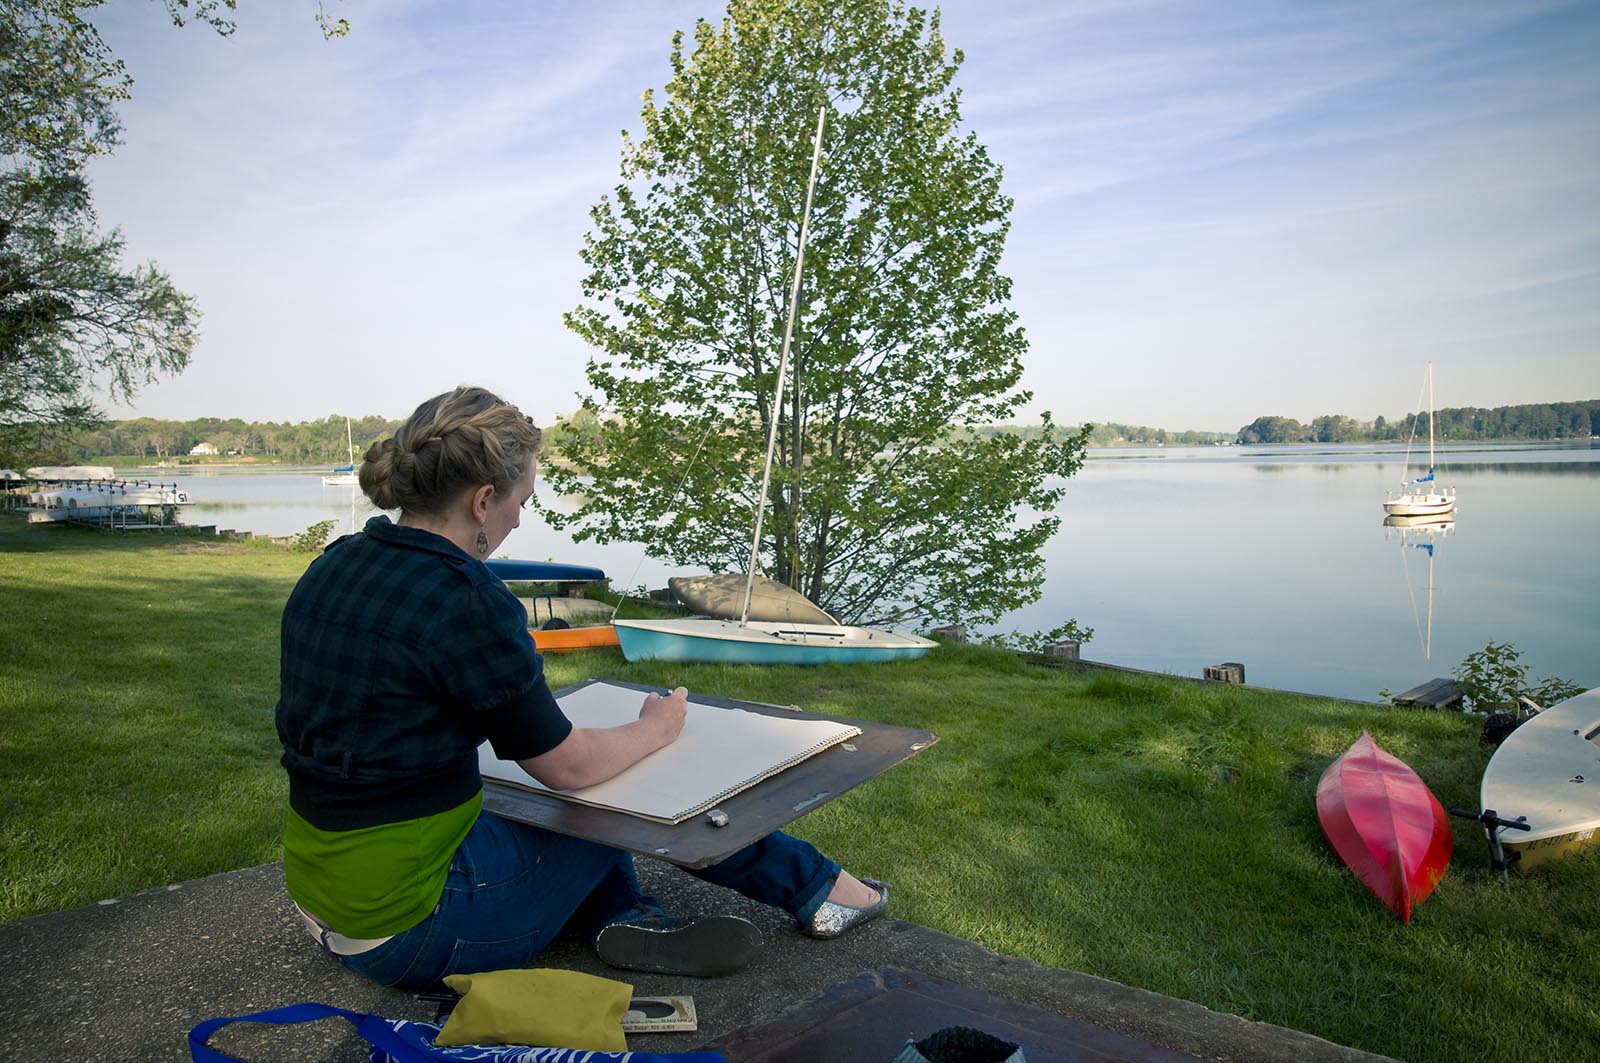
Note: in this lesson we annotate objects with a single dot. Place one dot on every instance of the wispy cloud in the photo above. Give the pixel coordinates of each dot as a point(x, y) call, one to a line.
point(1289, 196)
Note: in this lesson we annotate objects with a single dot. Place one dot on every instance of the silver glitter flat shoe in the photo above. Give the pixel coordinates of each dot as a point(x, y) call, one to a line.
point(831, 920)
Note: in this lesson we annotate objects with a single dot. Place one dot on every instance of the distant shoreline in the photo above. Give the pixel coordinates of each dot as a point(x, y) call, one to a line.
point(236, 465)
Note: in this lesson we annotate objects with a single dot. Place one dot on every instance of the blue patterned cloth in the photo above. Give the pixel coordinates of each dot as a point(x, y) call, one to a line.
point(403, 1041)
point(423, 1033)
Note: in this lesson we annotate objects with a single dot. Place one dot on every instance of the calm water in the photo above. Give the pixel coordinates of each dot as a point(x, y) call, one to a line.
point(1181, 557)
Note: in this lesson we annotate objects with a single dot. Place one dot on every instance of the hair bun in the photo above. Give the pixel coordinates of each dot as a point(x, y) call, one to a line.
point(378, 468)
point(452, 443)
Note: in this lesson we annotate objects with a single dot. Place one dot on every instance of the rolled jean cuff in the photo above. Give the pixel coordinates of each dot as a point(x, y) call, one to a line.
point(813, 893)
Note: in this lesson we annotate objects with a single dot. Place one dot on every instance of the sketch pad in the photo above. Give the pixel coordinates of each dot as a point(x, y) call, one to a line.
point(720, 752)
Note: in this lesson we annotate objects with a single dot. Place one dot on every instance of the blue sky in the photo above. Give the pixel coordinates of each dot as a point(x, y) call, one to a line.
point(1222, 210)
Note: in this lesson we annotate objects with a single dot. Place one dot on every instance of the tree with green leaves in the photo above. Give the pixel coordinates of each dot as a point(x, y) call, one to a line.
point(74, 322)
point(884, 503)
point(1273, 430)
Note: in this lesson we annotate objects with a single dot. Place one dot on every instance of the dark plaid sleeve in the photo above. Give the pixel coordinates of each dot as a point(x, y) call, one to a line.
point(527, 726)
point(485, 661)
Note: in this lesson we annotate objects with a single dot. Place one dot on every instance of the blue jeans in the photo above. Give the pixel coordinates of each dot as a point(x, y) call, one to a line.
point(513, 887)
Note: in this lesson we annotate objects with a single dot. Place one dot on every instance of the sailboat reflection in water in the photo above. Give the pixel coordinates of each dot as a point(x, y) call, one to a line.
point(1420, 533)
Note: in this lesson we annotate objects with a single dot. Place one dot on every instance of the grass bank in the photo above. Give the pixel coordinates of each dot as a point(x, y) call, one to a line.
point(1148, 830)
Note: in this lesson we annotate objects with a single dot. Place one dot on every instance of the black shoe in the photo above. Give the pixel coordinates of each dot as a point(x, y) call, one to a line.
point(703, 947)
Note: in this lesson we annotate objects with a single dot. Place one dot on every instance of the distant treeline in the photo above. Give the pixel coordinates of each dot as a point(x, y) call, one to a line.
point(1535, 421)
point(319, 442)
point(310, 441)
point(323, 441)
point(1111, 434)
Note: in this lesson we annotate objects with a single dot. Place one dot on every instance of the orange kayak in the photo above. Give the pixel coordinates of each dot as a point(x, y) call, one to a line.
point(567, 639)
point(1385, 825)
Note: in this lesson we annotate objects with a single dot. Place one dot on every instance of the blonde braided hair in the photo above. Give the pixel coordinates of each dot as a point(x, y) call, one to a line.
point(453, 442)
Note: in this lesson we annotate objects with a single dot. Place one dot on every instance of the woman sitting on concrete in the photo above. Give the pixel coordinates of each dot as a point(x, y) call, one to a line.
point(401, 654)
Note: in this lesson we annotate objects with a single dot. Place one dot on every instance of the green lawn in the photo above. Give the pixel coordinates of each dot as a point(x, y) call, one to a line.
point(1153, 831)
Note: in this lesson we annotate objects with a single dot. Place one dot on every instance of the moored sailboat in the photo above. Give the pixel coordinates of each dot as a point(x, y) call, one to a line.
point(345, 475)
point(1422, 497)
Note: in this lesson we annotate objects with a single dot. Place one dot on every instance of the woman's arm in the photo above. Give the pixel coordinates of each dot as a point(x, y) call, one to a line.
point(590, 755)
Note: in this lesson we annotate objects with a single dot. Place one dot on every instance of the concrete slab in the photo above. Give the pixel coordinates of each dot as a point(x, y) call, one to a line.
point(126, 979)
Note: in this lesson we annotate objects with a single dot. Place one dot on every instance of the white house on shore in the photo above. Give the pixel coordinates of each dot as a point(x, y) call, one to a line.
point(203, 449)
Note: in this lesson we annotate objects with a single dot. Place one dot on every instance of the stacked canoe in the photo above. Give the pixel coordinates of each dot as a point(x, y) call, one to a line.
point(559, 637)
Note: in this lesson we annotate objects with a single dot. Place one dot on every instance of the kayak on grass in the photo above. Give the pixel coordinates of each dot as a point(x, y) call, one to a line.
point(1385, 825)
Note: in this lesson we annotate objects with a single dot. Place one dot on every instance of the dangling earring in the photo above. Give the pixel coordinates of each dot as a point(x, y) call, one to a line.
point(482, 542)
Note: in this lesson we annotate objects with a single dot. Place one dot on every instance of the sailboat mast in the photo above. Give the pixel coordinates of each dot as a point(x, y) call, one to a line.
point(783, 364)
point(1430, 418)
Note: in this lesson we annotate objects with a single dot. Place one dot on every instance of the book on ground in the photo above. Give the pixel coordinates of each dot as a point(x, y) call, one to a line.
point(720, 752)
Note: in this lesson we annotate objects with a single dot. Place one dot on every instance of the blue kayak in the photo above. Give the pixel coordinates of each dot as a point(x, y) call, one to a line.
point(543, 571)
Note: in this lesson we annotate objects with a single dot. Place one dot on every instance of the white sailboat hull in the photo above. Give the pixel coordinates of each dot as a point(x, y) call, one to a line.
point(1421, 503)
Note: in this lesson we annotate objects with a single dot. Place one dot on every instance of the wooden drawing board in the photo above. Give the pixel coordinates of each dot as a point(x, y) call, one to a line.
point(766, 807)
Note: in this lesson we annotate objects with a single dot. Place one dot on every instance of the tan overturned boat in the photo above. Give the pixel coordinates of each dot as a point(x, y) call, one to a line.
point(721, 595)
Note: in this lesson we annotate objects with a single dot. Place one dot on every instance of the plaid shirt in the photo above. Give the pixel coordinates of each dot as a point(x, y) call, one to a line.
point(400, 655)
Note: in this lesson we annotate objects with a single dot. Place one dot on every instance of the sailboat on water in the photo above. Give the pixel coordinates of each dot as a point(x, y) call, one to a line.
point(1422, 497)
point(812, 640)
point(345, 475)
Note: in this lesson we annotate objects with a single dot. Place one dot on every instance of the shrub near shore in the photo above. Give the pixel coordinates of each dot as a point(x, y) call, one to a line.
point(1154, 831)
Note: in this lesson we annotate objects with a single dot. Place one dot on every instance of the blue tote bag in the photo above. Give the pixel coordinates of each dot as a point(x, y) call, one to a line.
point(404, 1041)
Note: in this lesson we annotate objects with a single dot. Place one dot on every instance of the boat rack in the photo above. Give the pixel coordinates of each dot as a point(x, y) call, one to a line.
point(76, 501)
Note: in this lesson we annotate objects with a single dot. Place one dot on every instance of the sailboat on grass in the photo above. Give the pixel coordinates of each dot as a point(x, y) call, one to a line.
point(813, 640)
point(1422, 497)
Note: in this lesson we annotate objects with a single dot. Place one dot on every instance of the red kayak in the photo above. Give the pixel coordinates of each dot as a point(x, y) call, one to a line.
point(1385, 824)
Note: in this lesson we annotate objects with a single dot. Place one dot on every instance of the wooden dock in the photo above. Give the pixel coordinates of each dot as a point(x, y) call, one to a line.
point(1434, 694)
